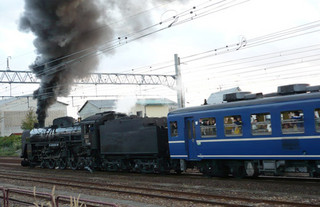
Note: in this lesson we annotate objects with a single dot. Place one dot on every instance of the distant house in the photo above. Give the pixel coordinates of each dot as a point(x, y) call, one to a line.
point(217, 97)
point(141, 107)
point(92, 107)
point(153, 107)
point(14, 110)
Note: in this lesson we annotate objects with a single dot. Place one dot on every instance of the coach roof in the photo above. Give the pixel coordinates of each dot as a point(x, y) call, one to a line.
point(264, 100)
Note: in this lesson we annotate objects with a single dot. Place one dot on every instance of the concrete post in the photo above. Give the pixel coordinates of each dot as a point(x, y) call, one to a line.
point(179, 86)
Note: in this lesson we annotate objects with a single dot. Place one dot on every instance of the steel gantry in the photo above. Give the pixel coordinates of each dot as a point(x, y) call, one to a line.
point(172, 81)
point(27, 77)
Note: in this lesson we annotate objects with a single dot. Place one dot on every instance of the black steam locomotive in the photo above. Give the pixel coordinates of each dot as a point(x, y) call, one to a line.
point(98, 142)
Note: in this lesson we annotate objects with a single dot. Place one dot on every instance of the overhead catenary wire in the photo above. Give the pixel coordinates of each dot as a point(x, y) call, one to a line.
point(126, 18)
point(252, 59)
point(246, 69)
point(263, 68)
point(193, 55)
point(111, 45)
point(268, 73)
point(267, 40)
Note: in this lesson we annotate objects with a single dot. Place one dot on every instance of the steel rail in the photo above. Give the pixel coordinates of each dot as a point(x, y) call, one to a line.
point(163, 194)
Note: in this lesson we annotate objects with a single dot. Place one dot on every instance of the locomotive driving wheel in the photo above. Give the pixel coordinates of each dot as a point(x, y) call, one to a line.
point(51, 163)
point(74, 164)
point(43, 164)
point(62, 163)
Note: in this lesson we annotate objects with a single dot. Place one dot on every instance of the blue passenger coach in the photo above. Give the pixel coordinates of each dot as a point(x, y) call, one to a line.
point(251, 134)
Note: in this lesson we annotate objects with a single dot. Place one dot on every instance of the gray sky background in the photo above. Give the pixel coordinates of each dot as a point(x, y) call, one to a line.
point(257, 67)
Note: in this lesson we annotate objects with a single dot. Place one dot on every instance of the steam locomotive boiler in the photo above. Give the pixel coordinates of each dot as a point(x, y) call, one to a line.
point(50, 146)
point(107, 141)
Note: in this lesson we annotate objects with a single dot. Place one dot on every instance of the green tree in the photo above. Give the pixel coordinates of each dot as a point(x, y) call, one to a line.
point(29, 121)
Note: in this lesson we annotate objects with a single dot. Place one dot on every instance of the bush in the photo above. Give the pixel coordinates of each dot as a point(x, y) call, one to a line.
point(10, 146)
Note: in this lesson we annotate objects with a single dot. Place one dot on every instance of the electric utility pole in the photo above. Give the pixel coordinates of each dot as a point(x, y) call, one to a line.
point(180, 90)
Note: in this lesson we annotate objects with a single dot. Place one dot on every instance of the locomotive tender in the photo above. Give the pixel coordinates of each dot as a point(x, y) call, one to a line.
point(249, 135)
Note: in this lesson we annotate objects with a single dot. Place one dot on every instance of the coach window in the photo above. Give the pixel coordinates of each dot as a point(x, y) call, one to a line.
point(233, 125)
point(174, 128)
point(292, 122)
point(317, 119)
point(261, 124)
point(208, 127)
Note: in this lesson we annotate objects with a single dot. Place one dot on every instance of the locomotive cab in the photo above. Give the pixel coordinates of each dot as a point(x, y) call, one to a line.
point(88, 133)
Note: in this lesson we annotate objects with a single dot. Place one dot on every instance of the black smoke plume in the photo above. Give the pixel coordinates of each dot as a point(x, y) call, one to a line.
point(64, 28)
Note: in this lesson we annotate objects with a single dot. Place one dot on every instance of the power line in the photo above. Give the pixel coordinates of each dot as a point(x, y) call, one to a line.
point(300, 30)
point(113, 44)
point(222, 65)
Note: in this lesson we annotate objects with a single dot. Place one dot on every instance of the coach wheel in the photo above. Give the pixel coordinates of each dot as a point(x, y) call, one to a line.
point(210, 170)
point(51, 164)
point(251, 169)
point(239, 171)
point(215, 170)
point(223, 171)
point(62, 163)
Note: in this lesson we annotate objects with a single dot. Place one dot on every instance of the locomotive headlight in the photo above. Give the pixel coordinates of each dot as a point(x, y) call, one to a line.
point(318, 166)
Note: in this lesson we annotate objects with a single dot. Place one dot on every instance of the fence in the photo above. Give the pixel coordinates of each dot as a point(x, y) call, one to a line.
point(52, 199)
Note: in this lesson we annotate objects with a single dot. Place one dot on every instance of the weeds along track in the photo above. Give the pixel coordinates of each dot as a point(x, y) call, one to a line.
point(149, 192)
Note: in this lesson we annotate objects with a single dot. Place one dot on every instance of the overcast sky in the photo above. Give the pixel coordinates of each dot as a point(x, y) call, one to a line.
point(255, 65)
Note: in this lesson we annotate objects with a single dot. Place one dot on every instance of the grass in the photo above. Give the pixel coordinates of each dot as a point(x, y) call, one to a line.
point(10, 146)
point(74, 202)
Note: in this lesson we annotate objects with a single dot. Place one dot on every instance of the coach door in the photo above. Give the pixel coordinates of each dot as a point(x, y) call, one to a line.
point(190, 137)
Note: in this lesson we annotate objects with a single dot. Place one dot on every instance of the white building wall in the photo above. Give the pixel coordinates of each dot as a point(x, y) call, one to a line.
point(137, 108)
point(14, 112)
point(88, 110)
point(157, 111)
point(151, 110)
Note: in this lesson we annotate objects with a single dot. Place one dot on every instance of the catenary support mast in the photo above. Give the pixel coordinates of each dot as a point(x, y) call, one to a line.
point(180, 90)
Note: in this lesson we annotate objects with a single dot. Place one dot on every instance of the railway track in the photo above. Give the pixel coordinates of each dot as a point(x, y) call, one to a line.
point(10, 160)
point(14, 162)
point(206, 199)
point(172, 195)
